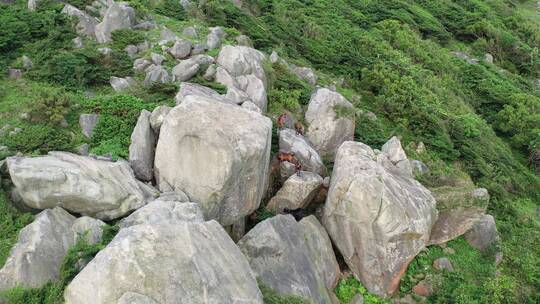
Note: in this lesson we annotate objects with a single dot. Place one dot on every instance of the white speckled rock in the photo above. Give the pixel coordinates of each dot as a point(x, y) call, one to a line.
point(326, 131)
point(217, 153)
point(142, 148)
point(97, 188)
point(184, 262)
point(379, 220)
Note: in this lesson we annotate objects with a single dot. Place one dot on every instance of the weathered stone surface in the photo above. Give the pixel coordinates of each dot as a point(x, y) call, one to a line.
point(188, 68)
point(443, 264)
point(122, 84)
point(77, 42)
point(157, 59)
point(160, 211)
point(40, 250)
point(418, 167)
point(488, 58)
point(100, 189)
point(141, 64)
point(240, 69)
point(217, 153)
point(290, 141)
point(320, 250)
point(251, 106)
point(326, 130)
point(378, 219)
point(278, 254)
point(156, 73)
point(483, 235)
point(297, 192)
point(119, 15)
point(306, 74)
point(393, 150)
point(88, 122)
point(142, 148)
point(244, 40)
point(197, 90)
point(90, 228)
point(14, 73)
point(86, 25)
point(131, 50)
point(181, 49)
point(190, 31)
point(459, 209)
point(167, 263)
point(157, 117)
point(213, 40)
point(210, 73)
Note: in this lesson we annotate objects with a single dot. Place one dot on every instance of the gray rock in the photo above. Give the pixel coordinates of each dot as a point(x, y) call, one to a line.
point(488, 58)
point(181, 49)
point(278, 254)
point(166, 263)
point(290, 141)
point(135, 298)
point(199, 49)
point(32, 5)
point(241, 70)
point(119, 15)
point(141, 64)
point(483, 235)
point(84, 185)
point(168, 35)
point(89, 228)
point(77, 42)
point(326, 131)
point(393, 150)
point(88, 122)
point(286, 170)
point(86, 25)
point(377, 219)
point(122, 84)
point(320, 251)
point(158, 212)
point(156, 73)
point(14, 73)
point(131, 50)
point(217, 153)
point(142, 148)
point(251, 106)
point(210, 73)
point(157, 59)
point(27, 62)
point(306, 74)
point(274, 57)
point(192, 89)
point(297, 192)
point(185, 70)
point(418, 167)
point(443, 264)
point(244, 40)
point(173, 195)
point(358, 299)
point(41, 247)
point(190, 31)
point(83, 149)
point(157, 117)
point(213, 39)
point(105, 51)
point(460, 207)
point(145, 26)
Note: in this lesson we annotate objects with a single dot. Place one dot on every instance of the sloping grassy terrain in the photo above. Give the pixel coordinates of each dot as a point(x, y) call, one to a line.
point(391, 57)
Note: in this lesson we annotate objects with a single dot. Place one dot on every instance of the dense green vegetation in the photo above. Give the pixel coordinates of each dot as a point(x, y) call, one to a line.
point(390, 57)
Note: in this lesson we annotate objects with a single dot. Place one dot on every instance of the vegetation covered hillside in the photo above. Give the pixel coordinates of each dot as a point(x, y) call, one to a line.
point(459, 77)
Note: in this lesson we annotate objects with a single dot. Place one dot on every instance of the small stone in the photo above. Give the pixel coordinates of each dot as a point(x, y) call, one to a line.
point(83, 149)
point(88, 122)
point(190, 31)
point(449, 250)
point(157, 59)
point(78, 42)
point(131, 50)
point(423, 289)
point(105, 51)
point(14, 73)
point(443, 264)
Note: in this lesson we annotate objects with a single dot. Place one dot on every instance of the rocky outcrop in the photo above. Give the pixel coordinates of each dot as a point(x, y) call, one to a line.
point(86, 25)
point(217, 153)
point(459, 209)
point(119, 15)
point(193, 89)
point(142, 148)
point(281, 256)
point(291, 141)
point(190, 262)
point(240, 69)
point(297, 192)
point(378, 218)
point(326, 130)
point(39, 252)
point(84, 185)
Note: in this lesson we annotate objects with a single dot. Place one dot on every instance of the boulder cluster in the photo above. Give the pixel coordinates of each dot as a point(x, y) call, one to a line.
point(199, 170)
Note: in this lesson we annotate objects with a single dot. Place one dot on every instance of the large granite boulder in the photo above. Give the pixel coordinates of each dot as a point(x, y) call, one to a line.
point(459, 209)
point(80, 184)
point(86, 25)
point(181, 262)
point(39, 252)
point(282, 258)
point(483, 235)
point(291, 141)
point(119, 15)
point(378, 218)
point(160, 211)
point(142, 148)
point(326, 130)
point(240, 69)
point(297, 192)
point(218, 154)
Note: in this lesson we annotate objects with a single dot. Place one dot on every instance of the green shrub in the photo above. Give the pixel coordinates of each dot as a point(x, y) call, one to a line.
point(124, 37)
point(348, 288)
point(39, 139)
point(50, 106)
point(172, 9)
point(270, 296)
